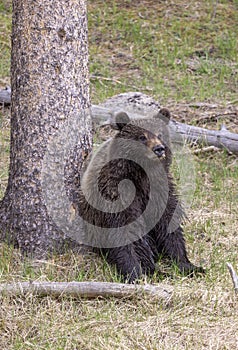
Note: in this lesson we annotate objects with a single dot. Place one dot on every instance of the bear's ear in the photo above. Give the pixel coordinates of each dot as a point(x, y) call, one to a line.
point(163, 114)
point(119, 120)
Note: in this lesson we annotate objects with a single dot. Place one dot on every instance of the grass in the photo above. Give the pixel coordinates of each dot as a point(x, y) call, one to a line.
point(174, 50)
point(5, 45)
point(180, 53)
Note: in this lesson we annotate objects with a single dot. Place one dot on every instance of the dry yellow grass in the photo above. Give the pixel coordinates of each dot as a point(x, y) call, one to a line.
point(201, 316)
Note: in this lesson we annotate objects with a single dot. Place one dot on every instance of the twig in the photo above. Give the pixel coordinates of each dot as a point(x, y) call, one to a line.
point(116, 81)
point(99, 77)
point(86, 289)
point(214, 11)
point(206, 149)
point(202, 104)
point(40, 262)
point(234, 276)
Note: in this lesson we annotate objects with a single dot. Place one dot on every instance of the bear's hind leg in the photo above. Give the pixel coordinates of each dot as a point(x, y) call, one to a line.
point(147, 254)
point(126, 262)
point(134, 259)
point(173, 246)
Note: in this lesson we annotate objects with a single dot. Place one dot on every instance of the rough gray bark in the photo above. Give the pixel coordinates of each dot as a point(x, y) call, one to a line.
point(86, 289)
point(50, 92)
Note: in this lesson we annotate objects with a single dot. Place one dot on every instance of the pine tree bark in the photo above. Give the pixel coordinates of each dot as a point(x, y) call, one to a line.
point(50, 97)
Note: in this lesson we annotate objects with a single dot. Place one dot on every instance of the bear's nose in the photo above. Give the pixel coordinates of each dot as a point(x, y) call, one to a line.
point(159, 150)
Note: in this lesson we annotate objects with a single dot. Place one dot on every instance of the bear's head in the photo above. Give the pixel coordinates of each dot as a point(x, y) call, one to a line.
point(153, 133)
point(139, 151)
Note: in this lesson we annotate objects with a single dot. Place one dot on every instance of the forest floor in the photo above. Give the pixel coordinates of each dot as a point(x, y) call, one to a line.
point(185, 55)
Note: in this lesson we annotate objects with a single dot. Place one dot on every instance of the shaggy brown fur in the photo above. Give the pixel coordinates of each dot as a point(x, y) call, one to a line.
point(135, 249)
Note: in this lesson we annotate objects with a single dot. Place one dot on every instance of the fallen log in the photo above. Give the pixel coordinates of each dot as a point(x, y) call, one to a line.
point(88, 290)
point(5, 96)
point(139, 105)
point(222, 139)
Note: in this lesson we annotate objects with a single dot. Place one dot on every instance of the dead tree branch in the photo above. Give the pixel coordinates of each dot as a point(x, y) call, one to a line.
point(139, 105)
point(234, 276)
point(88, 290)
point(5, 96)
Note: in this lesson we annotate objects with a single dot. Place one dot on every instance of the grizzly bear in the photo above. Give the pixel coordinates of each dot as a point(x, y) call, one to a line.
point(128, 201)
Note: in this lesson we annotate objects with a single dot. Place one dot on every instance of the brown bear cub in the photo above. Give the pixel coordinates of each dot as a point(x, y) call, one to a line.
point(128, 201)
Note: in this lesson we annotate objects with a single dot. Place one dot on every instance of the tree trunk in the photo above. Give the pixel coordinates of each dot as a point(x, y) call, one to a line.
point(50, 105)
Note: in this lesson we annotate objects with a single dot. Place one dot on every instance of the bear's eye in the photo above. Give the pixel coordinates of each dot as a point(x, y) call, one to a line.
point(142, 138)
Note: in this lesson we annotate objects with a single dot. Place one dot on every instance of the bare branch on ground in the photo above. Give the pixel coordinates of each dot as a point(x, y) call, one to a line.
point(87, 290)
point(234, 276)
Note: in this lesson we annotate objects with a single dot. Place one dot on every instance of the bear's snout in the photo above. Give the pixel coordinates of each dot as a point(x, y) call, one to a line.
point(159, 150)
